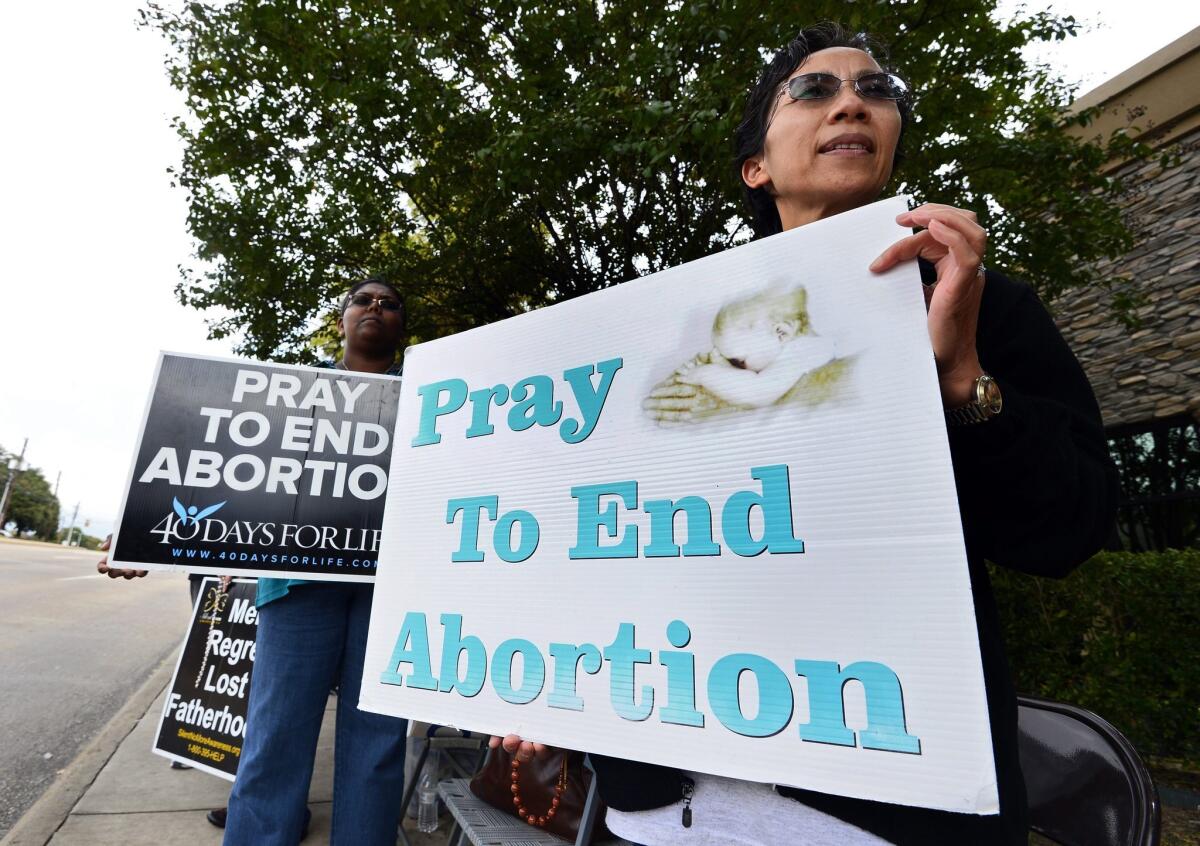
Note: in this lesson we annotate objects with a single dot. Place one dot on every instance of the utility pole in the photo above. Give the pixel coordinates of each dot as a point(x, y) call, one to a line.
point(57, 479)
point(13, 469)
point(71, 530)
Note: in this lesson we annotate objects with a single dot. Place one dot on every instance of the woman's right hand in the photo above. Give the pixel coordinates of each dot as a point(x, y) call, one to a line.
point(115, 572)
point(522, 750)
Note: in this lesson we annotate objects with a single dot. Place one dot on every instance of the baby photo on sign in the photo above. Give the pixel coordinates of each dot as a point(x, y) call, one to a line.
point(765, 353)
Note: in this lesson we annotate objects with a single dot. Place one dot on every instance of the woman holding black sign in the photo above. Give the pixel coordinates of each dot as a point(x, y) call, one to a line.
point(1037, 490)
point(311, 638)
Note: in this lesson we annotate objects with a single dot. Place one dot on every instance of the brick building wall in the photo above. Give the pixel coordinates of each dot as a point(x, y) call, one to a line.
point(1151, 372)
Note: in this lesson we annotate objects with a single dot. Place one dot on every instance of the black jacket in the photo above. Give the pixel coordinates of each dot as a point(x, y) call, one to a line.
point(1037, 491)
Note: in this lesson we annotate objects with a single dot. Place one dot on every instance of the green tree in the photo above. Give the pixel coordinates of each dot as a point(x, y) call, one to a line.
point(497, 155)
point(32, 505)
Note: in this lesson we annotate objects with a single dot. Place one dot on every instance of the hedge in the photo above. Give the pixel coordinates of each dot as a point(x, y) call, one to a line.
point(1119, 636)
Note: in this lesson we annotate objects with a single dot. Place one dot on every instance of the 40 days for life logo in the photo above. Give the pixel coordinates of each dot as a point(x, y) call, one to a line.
point(194, 513)
point(194, 523)
point(169, 529)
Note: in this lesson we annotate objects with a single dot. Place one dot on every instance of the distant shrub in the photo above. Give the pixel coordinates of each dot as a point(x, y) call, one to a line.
point(1120, 636)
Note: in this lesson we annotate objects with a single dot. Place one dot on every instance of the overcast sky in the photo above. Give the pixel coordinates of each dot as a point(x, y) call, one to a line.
point(91, 233)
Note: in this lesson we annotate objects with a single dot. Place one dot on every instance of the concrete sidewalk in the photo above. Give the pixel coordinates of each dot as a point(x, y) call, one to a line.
point(118, 792)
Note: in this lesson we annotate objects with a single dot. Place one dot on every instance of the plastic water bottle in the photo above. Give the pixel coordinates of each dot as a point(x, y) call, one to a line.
point(427, 797)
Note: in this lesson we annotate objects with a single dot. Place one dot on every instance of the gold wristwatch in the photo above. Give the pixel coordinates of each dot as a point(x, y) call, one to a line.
point(986, 405)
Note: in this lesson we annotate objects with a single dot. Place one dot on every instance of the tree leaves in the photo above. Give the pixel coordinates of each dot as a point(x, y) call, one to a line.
point(32, 505)
point(491, 157)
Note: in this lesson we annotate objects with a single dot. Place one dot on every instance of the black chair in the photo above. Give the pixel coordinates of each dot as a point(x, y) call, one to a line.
point(479, 824)
point(1087, 785)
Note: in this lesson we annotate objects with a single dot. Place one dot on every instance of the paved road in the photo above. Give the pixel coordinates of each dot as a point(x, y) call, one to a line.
point(74, 646)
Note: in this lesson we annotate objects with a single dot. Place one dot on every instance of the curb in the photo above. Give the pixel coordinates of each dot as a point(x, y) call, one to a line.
point(43, 819)
point(46, 545)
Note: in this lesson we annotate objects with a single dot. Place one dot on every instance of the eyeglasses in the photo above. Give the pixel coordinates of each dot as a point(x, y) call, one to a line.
point(822, 86)
point(366, 301)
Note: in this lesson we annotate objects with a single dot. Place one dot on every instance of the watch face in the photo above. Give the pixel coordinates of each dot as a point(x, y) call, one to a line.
point(991, 399)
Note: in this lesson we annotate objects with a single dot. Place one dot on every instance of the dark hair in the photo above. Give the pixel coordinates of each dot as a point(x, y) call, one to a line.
point(751, 133)
point(377, 280)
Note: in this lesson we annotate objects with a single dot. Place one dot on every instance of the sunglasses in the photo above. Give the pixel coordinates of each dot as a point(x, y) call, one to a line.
point(366, 301)
point(822, 86)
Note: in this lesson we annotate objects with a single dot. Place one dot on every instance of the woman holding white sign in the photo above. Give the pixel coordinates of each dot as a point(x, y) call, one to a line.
point(1037, 490)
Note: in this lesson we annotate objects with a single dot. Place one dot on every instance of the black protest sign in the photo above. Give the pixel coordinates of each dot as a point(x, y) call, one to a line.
point(203, 722)
point(249, 468)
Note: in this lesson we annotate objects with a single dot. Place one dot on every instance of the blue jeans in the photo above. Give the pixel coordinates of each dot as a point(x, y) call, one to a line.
point(310, 641)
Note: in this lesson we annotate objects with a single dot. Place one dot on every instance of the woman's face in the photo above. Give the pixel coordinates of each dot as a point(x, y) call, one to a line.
point(371, 327)
point(822, 157)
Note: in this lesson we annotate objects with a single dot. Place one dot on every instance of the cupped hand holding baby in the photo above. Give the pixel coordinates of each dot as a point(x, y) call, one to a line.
point(950, 238)
point(678, 398)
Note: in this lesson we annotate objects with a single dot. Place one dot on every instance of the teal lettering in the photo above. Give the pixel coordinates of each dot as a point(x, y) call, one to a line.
point(453, 646)
point(413, 630)
point(885, 706)
point(776, 504)
point(774, 695)
point(529, 533)
point(470, 506)
point(591, 519)
point(566, 669)
point(534, 404)
point(662, 527)
point(432, 407)
point(589, 400)
point(624, 658)
point(481, 409)
point(533, 671)
point(680, 708)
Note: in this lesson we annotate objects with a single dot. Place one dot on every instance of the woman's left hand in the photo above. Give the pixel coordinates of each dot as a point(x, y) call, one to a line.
point(115, 572)
point(954, 242)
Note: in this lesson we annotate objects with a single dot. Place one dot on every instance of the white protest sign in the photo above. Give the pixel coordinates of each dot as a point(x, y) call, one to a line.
point(704, 519)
